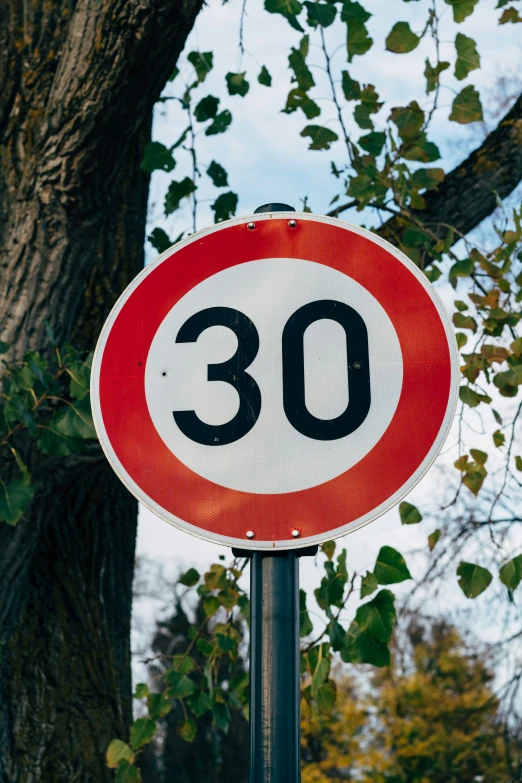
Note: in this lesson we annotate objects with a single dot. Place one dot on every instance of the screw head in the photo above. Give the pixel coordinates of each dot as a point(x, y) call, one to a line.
point(296, 533)
point(292, 223)
point(357, 365)
point(250, 534)
point(251, 226)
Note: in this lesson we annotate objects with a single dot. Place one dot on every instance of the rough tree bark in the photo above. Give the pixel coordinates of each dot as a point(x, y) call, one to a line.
point(79, 79)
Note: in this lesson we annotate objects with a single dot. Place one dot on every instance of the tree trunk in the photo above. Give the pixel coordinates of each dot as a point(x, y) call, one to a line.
point(79, 79)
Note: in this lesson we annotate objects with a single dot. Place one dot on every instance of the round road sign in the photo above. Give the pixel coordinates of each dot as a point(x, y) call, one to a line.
point(275, 381)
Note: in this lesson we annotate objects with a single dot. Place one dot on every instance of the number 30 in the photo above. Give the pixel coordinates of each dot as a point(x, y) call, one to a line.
point(233, 371)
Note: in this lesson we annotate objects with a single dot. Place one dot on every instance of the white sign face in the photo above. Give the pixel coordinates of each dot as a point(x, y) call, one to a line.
point(275, 381)
point(273, 457)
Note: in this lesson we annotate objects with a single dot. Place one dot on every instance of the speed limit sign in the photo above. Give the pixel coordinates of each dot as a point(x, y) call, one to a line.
point(275, 381)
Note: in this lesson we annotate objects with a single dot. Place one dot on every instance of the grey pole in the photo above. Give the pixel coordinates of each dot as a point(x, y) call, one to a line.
point(274, 668)
point(275, 692)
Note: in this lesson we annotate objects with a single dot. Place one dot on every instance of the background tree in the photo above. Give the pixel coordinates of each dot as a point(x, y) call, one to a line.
point(432, 717)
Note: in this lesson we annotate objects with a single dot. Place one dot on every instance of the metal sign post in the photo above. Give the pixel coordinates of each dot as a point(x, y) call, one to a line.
point(275, 691)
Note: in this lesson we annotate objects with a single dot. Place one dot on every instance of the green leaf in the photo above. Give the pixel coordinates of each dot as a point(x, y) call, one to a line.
point(224, 206)
point(116, 752)
point(321, 137)
point(433, 273)
point(499, 438)
point(221, 715)
point(373, 142)
point(189, 578)
point(427, 178)
point(204, 647)
point(462, 268)
point(468, 59)
point(179, 685)
point(52, 442)
point(479, 456)
point(206, 108)
point(80, 375)
point(390, 567)
point(518, 462)
point(237, 84)
point(217, 174)
point(126, 773)
point(358, 42)
point(354, 11)
point(462, 8)
point(401, 39)
point(510, 15)
point(305, 624)
point(264, 77)
point(337, 634)
point(351, 87)
point(202, 62)
point(408, 119)
point(226, 643)
point(220, 124)
point(420, 149)
point(141, 691)
point(433, 538)
point(328, 548)
point(297, 62)
point(176, 192)
point(297, 99)
point(511, 573)
point(160, 240)
point(287, 8)
point(200, 703)
point(322, 14)
point(158, 705)
point(432, 74)
point(473, 579)
point(326, 696)
point(141, 732)
point(228, 598)
point(369, 584)
point(370, 632)
point(4, 347)
point(462, 339)
point(183, 663)
point(472, 398)
point(157, 158)
point(462, 321)
point(67, 429)
point(466, 107)
point(187, 730)
point(369, 104)
point(410, 515)
point(211, 605)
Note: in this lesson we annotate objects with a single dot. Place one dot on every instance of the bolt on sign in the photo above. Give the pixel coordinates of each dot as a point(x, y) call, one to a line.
point(277, 380)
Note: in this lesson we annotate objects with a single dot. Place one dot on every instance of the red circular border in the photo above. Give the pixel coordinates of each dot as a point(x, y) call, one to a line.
point(378, 476)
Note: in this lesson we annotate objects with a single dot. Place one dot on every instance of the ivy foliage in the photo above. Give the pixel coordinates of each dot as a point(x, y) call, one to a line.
point(44, 404)
point(202, 679)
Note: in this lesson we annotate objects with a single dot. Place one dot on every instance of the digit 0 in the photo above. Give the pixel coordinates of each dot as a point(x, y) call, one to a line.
point(357, 359)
